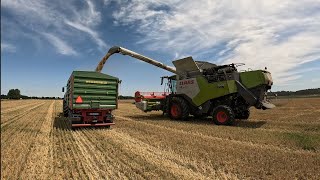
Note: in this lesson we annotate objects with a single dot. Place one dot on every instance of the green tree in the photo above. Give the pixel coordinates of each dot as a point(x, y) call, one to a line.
point(14, 94)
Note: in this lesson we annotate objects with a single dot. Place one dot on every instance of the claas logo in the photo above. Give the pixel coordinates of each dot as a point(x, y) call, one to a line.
point(191, 81)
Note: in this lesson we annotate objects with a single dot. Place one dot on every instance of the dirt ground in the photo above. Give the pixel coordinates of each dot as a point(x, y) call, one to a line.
point(282, 143)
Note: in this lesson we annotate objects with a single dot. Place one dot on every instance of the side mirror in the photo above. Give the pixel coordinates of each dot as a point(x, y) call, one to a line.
point(62, 89)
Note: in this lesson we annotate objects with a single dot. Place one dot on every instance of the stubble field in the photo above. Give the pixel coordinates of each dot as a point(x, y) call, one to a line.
point(282, 143)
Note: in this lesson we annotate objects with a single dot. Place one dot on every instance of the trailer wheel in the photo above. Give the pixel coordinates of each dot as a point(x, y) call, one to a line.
point(65, 110)
point(223, 115)
point(179, 109)
point(65, 113)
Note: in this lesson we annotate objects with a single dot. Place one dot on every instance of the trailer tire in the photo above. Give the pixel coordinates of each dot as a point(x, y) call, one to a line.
point(65, 113)
point(65, 110)
point(223, 115)
point(179, 109)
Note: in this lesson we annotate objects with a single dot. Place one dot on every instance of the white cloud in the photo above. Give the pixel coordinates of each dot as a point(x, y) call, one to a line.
point(40, 16)
point(6, 47)
point(281, 35)
point(89, 18)
point(61, 46)
point(94, 35)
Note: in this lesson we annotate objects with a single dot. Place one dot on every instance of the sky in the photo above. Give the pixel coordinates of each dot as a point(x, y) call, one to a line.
point(43, 41)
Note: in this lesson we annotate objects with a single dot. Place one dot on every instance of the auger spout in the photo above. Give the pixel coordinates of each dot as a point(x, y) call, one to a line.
point(124, 51)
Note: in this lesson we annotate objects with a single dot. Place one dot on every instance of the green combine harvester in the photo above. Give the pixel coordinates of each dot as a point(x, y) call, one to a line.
point(203, 89)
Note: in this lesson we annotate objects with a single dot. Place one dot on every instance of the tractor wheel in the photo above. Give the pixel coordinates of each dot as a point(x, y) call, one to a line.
point(244, 115)
point(179, 109)
point(223, 115)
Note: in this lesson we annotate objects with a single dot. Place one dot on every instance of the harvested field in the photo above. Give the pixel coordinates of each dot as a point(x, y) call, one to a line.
point(282, 143)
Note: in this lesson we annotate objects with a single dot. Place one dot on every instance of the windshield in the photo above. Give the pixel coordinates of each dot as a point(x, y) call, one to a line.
point(173, 86)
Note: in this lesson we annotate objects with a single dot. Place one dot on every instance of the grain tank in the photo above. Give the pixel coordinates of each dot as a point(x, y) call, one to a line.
point(90, 98)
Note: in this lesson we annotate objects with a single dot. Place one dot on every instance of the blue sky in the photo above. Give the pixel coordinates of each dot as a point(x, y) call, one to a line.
point(43, 41)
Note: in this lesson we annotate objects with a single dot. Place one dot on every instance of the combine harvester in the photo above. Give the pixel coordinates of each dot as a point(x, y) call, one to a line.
point(203, 89)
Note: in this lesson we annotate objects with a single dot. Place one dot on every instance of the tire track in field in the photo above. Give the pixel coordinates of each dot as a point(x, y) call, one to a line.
point(127, 165)
point(5, 121)
point(150, 156)
point(12, 103)
point(176, 165)
point(118, 163)
point(68, 162)
point(18, 123)
point(98, 159)
point(33, 139)
point(11, 109)
point(87, 156)
point(19, 141)
point(9, 116)
point(200, 135)
point(39, 164)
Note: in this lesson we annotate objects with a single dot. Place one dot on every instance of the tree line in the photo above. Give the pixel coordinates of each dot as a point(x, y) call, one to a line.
point(304, 92)
point(125, 97)
point(16, 94)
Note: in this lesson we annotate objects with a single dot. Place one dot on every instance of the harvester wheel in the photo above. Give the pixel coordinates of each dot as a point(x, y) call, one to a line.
point(179, 109)
point(244, 115)
point(223, 115)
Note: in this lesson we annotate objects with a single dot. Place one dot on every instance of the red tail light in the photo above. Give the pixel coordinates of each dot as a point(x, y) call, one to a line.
point(79, 99)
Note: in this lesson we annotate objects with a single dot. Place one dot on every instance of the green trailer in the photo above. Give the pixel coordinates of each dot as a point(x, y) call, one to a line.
point(90, 98)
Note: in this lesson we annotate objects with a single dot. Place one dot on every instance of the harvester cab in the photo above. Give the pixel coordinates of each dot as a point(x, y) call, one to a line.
point(203, 89)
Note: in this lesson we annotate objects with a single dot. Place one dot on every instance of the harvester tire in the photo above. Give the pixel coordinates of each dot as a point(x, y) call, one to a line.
point(244, 115)
point(223, 115)
point(179, 109)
